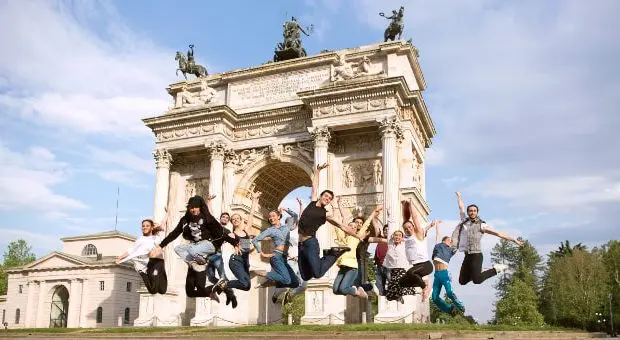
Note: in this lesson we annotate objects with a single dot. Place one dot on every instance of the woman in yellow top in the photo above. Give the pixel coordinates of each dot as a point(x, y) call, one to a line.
point(343, 284)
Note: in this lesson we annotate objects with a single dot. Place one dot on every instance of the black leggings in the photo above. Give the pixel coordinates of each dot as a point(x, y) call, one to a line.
point(195, 284)
point(155, 278)
point(471, 270)
point(413, 277)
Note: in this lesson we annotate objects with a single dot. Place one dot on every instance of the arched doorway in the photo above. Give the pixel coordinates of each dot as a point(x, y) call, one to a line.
point(59, 307)
point(275, 179)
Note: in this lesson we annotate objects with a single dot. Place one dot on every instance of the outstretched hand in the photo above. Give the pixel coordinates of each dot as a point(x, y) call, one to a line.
point(210, 197)
point(256, 195)
point(518, 242)
point(299, 201)
point(320, 167)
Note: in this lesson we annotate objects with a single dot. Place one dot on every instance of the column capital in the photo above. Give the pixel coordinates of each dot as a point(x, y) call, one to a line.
point(230, 158)
point(218, 149)
point(391, 127)
point(321, 135)
point(163, 158)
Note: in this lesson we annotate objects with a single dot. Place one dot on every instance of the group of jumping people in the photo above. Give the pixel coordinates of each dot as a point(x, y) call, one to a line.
point(403, 265)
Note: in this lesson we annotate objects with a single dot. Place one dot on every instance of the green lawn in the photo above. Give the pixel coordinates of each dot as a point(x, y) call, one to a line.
point(293, 329)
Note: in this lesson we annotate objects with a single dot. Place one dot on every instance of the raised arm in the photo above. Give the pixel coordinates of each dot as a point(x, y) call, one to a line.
point(340, 233)
point(391, 222)
point(209, 198)
point(315, 180)
point(255, 197)
point(293, 221)
point(437, 236)
point(488, 230)
point(459, 201)
point(338, 224)
point(415, 218)
point(362, 232)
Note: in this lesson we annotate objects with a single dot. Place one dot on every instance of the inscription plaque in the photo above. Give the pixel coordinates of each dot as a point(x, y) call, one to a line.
point(275, 88)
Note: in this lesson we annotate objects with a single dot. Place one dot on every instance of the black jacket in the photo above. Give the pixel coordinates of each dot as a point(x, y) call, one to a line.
point(207, 228)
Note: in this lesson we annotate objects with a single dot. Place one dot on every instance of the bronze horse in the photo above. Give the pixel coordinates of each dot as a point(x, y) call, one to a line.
point(198, 70)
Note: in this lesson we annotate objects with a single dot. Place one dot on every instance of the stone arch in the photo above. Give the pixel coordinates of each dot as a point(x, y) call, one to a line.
point(275, 178)
point(59, 307)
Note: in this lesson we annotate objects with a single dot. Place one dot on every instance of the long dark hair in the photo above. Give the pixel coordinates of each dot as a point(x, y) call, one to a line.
point(198, 201)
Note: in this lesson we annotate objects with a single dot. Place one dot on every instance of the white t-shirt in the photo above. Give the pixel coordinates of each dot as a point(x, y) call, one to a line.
point(396, 256)
point(139, 251)
point(416, 249)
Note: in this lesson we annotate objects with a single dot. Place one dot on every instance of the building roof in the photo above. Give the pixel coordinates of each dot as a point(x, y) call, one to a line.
point(105, 234)
point(76, 261)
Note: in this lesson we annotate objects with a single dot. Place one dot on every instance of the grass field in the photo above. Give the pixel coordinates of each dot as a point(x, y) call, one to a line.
point(290, 329)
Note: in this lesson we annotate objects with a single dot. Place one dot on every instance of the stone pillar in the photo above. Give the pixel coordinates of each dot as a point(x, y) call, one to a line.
point(75, 304)
point(407, 162)
point(31, 307)
point(84, 307)
point(42, 320)
point(217, 150)
point(229, 181)
point(322, 306)
point(392, 135)
point(163, 160)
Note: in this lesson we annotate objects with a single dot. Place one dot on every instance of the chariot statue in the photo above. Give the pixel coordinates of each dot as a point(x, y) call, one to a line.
point(291, 47)
point(396, 26)
point(188, 65)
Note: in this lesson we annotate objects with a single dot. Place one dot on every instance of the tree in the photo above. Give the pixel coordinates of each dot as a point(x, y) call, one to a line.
point(18, 254)
point(519, 306)
point(524, 263)
point(504, 252)
point(575, 287)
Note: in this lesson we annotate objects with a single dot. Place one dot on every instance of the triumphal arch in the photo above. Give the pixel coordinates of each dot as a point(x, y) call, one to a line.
point(264, 129)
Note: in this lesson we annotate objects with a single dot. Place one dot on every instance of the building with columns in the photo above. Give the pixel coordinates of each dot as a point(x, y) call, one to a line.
point(264, 129)
point(80, 286)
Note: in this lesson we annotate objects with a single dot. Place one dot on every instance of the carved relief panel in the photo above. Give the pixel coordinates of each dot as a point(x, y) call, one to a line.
point(197, 186)
point(361, 174)
point(355, 143)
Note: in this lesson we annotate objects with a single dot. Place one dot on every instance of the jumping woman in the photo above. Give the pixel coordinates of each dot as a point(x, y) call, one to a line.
point(152, 270)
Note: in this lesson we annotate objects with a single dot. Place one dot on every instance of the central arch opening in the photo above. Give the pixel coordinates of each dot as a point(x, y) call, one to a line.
point(276, 180)
point(59, 307)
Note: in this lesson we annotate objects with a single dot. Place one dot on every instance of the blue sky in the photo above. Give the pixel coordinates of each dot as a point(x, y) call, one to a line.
point(524, 95)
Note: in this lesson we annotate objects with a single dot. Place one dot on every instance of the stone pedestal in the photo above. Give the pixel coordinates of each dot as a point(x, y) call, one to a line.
point(158, 310)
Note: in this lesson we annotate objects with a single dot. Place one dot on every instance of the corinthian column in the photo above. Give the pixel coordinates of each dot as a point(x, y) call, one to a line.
point(217, 150)
point(229, 180)
point(391, 136)
point(322, 306)
point(163, 160)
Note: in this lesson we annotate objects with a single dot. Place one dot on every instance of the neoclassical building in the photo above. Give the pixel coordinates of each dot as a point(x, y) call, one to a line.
point(80, 286)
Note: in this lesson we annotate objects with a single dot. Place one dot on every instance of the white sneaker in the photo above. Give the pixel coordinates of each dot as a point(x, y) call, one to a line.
point(375, 289)
point(499, 268)
point(361, 293)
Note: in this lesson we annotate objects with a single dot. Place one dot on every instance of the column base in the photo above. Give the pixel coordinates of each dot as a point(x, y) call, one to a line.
point(205, 315)
point(395, 312)
point(322, 306)
point(158, 310)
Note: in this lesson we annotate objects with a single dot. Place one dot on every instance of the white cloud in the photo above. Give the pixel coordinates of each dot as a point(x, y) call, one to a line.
point(563, 194)
point(39, 242)
point(27, 179)
point(451, 181)
point(62, 74)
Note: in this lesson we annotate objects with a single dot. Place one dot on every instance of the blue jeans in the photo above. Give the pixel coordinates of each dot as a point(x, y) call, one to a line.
point(381, 277)
point(216, 263)
point(343, 284)
point(281, 273)
point(442, 279)
point(188, 252)
point(311, 265)
point(240, 266)
point(303, 284)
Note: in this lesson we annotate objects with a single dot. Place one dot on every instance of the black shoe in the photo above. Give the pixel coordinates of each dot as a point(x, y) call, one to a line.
point(338, 251)
point(274, 297)
point(325, 252)
point(233, 301)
